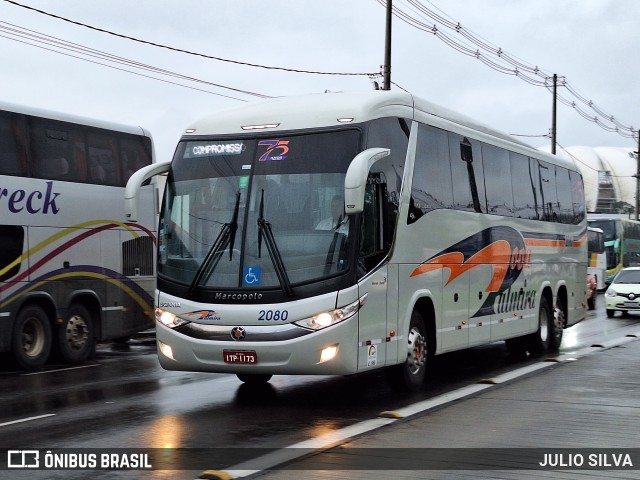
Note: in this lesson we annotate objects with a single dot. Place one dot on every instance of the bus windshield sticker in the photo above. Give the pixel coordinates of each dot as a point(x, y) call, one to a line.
point(276, 150)
point(212, 149)
point(252, 275)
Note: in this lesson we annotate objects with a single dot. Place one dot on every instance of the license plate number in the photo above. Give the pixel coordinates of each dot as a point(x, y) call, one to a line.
point(631, 304)
point(244, 357)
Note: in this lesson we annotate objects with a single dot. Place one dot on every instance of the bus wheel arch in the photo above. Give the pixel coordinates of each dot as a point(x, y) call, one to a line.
point(31, 337)
point(76, 333)
point(410, 374)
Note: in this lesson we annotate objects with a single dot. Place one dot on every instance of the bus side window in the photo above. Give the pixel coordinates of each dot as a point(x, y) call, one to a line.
point(10, 161)
point(497, 180)
point(467, 169)
point(550, 206)
point(577, 197)
point(431, 187)
point(11, 243)
point(523, 184)
point(103, 158)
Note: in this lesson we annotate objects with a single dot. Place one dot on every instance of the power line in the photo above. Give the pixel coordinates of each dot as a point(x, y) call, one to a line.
point(210, 57)
point(78, 51)
point(415, 14)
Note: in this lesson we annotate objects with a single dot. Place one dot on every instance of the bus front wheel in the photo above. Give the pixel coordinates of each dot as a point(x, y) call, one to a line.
point(76, 338)
point(31, 337)
point(410, 375)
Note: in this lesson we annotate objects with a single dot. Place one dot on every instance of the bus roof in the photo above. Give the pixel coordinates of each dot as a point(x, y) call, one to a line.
point(66, 117)
point(340, 109)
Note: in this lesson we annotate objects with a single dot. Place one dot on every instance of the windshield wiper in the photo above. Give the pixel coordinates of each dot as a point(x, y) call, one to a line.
point(227, 236)
point(264, 229)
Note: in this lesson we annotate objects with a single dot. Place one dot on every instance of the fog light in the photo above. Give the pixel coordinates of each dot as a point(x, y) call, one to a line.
point(328, 353)
point(166, 350)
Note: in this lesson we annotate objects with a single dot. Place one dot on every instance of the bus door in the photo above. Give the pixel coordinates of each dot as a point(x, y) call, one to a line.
point(373, 249)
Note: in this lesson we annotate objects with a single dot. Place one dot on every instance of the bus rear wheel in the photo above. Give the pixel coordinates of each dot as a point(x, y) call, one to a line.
point(76, 338)
point(410, 375)
point(549, 334)
point(31, 340)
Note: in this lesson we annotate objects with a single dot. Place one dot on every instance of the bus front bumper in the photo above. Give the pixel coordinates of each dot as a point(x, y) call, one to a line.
point(330, 351)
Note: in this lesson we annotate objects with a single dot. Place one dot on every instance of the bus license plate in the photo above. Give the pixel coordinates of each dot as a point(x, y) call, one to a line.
point(244, 357)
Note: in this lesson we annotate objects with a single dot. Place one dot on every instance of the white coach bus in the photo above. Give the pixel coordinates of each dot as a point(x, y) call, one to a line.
point(339, 233)
point(72, 273)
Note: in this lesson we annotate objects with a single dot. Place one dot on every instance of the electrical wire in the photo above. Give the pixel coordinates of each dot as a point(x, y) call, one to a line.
point(188, 52)
point(417, 15)
point(70, 49)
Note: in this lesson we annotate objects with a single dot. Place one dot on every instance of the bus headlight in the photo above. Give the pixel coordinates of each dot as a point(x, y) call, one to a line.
point(326, 319)
point(169, 319)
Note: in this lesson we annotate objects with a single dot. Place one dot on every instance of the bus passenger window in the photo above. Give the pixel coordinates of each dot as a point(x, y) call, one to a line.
point(103, 160)
point(11, 243)
point(523, 184)
point(9, 157)
point(431, 188)
point(466, 168)
point(497, 180)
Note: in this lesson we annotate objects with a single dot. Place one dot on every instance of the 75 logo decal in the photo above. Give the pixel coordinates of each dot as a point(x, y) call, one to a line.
point(276, 150)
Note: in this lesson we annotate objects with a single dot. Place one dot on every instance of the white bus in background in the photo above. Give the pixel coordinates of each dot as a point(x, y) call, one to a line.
point(72, 273)
point(449, 235)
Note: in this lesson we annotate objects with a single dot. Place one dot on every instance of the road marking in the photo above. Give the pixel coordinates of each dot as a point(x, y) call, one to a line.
point(508, 376)
point(29, 419)
point(332, 439)
point(298, 450)
point(60, 369)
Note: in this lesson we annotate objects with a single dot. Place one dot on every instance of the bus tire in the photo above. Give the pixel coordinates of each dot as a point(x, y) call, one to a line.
point(410, 375)
point(31, 338)
point(76, 336)
point(254, 378)
point(541, 341)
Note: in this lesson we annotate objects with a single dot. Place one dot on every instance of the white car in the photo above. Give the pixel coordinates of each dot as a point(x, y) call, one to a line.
point(624, 292)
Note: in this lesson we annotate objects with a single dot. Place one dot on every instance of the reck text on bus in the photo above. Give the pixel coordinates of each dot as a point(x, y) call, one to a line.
point(35, 201)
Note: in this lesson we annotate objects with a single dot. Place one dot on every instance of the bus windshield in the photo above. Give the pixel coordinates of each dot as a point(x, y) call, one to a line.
point(257, 213)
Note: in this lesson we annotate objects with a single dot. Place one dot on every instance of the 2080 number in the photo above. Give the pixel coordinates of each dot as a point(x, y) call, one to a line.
point(273, 315)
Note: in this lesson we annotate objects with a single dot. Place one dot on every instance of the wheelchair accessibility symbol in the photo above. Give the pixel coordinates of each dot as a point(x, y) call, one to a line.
point(252, 275)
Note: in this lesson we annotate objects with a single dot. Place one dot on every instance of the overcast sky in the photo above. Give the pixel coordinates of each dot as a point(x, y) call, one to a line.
point(594, 44)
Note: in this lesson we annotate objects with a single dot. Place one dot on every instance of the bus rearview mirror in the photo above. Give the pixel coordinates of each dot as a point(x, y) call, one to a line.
point(356, 179)
point(134, 183)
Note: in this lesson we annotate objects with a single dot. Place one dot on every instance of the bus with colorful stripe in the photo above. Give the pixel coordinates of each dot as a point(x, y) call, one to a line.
point(340, 233)
point(72, 273)
point(621, 242)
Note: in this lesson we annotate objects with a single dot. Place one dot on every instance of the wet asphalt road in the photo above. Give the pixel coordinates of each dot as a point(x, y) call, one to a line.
point(123, 399)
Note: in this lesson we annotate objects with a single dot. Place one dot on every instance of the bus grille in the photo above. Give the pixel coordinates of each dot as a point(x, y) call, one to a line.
point(137, 257)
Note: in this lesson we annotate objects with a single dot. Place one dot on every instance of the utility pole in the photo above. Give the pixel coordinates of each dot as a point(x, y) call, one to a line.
point(386, 69)
point(553, 114)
